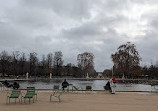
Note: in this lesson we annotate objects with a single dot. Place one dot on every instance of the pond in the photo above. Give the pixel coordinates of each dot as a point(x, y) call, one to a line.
point(96, 85)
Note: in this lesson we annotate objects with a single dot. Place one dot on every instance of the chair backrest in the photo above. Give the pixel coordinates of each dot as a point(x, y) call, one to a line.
point(15, 93)
point(30, 90)
point(56, 87)
point(30, 87)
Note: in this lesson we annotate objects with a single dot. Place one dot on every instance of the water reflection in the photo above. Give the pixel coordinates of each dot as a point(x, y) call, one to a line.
point(96, 85)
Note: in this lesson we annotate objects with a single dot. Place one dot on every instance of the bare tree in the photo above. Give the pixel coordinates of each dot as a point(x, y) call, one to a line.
point(43, 62)
point(5, 60)
point(33, 63)
point(68, 69)
point(49, 61)
point(22, 63)
point(58, 62)
point(46, 64)
point(42, 66)
point(15, 62)
point(86, 63)
point(126, 58)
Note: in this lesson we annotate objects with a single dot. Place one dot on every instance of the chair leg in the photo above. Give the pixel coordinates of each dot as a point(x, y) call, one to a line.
point(59, 99)
point(36, 97)
point(50, 98)
point(7, 100)
point(21, 100)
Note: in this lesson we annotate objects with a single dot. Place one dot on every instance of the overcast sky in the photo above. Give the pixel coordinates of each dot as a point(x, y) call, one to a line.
point(77, 26)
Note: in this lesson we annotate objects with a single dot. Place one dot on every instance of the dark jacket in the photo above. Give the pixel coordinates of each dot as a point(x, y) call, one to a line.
point(65, 84)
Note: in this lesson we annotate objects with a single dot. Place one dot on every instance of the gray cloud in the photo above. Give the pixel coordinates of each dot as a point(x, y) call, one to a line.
point(74, 27)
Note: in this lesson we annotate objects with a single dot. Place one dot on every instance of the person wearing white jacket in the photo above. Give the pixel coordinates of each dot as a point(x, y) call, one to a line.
point(113, 86)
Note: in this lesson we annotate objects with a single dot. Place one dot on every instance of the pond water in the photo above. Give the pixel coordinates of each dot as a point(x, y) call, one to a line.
point(96, 85)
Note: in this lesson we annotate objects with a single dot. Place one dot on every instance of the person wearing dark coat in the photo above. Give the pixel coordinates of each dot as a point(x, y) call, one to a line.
point(7, 84)
point(107, 86)
point(65, 84)
point(15, 85)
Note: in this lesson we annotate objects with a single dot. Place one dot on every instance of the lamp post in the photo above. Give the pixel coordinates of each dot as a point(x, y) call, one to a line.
point(112, 71)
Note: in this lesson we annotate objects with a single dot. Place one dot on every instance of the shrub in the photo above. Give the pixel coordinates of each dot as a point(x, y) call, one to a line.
point(88, 87)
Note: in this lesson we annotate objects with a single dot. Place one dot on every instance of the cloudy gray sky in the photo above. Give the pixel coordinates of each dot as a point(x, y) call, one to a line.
point(76, 26)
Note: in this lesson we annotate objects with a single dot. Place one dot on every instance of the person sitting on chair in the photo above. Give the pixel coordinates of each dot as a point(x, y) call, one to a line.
point(7, 84)
point(15, 85)
point(65, 84)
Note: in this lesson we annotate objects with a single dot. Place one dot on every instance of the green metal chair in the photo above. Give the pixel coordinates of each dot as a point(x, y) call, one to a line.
point(33, 90)
point(56, 88)
point(30, 94)
point(56, 94)
point(15, 94)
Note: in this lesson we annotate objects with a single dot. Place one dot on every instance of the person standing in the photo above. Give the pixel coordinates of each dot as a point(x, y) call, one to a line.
point(113, 85)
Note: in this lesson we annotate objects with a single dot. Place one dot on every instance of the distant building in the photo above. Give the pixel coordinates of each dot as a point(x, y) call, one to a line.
point(100, 75)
